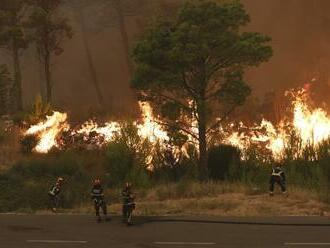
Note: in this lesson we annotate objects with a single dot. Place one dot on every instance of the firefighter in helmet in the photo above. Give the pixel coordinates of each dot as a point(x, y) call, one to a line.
point(54, 194)
point(277, 177)
point(97, 196)
point(128, 201)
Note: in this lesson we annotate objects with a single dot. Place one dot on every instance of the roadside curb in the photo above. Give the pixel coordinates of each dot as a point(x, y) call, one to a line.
point(290, 222)
point(302, 221)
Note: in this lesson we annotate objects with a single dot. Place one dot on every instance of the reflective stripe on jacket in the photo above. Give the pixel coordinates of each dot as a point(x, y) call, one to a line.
point(277, 172)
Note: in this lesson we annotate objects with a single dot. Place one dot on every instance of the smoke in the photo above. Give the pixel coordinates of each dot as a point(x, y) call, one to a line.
point(300, 31)
point(95, 24)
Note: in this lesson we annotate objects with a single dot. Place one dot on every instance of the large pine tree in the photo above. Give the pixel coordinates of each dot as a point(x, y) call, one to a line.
point(190, 65)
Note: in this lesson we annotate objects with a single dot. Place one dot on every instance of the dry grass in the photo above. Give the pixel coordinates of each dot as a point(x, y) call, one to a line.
point(221, 199)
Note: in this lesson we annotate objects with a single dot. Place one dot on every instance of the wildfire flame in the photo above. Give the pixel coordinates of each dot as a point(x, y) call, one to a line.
point(312, 126)
point(149, 128)
point(108, 131)
point(48, 130)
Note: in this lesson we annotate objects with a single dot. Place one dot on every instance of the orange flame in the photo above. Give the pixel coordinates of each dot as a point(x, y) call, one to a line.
point(312, 126)
point(48, 130)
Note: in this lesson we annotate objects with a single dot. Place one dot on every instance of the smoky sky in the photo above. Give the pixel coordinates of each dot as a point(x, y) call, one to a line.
point(300, 32)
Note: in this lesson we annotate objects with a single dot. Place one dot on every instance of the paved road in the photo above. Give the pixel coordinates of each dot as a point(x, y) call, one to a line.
point(62, 231)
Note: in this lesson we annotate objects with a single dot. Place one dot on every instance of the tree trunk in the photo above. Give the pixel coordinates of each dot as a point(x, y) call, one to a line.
point(201, 110)
point(17, 87)
point(49, 85)
point(90, 60)
point(124, 36)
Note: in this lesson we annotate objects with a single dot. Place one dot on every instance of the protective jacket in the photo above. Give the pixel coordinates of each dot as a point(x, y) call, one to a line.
point(99, 202)
point(55, 190)
point(279, 173)
point(277, 177)
point(126, 196)
point(97, 192)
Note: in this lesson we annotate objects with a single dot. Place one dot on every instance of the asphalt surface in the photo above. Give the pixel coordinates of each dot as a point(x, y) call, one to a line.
point(66, 231)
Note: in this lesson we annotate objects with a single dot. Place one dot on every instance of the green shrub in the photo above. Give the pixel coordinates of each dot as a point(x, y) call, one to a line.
point(186, 169)
point(121, 165)
point(26, 184)
point(325, 179)
point(223, 162)
point(125, 159)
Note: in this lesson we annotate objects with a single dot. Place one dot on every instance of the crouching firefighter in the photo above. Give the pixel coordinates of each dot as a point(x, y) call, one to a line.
point(98, 199)
point(54, 194)
point(278, 177)
point(128, 203)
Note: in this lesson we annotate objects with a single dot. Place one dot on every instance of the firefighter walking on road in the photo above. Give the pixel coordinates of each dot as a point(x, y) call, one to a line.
point(128, 203)
point(277, 177)
point(99, 201)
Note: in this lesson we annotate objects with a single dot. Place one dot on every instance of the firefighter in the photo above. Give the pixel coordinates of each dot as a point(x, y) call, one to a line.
point(98, 199)
point(54, 194)
point(277, 176)
point(128, 202)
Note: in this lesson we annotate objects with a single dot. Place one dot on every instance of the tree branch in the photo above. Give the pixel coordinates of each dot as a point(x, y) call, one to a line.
point(178, 128)
point(211, 87)
point(225, 62)
point(217, 123)
point(172, 99)
point(190, 89)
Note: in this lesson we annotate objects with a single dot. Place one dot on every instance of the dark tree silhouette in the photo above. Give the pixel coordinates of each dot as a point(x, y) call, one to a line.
point(13, 39)
point(48, 30)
